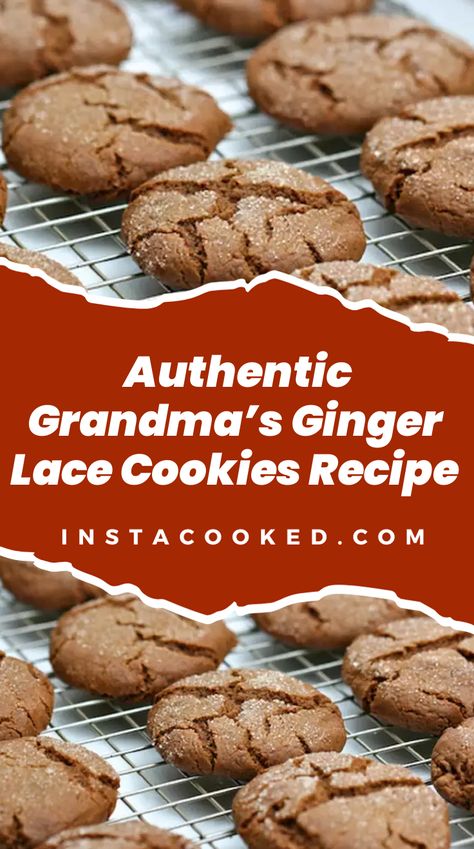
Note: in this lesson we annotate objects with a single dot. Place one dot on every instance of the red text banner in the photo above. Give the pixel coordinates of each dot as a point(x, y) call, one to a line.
point(242, 444)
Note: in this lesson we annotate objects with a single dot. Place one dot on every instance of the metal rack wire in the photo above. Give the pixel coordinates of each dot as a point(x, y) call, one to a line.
point(85, 236)
point(199, 808)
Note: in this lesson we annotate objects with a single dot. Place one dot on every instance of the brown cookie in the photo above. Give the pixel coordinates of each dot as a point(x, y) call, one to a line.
point(37, 38)
point(119, 647)
point(258, 18)
point(3, 197)
point(42, 589)
point(26, 699)
point(47, 786)
point(339, 802)
point(102, 132)
point(422, 164)
point(452, 765)
point(231, 219)
point(343, 75)
point(421, 299)
point(413, 673)
point(239, 722)
point(33, 259)
point(330, 623)
point(121, 835)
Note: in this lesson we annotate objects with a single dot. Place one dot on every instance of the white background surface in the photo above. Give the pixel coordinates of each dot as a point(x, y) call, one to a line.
point(454, 15)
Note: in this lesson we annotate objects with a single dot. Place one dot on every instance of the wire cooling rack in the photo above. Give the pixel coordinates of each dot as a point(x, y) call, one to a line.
point(200, 808)
point(85, 236)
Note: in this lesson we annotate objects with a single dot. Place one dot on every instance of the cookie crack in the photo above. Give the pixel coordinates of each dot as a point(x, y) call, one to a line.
point(448, 697)
point(230, 191)
point(238, 695)
point(319, 79)
point(379, 678)
point(383, 279)
point(325, 791)
point(58, 34)
point(82, 774)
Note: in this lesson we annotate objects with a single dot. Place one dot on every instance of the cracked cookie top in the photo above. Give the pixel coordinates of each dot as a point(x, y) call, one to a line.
point(258, 18)
point(413, 673)
point(452, 765)
point(38, 37)
point(44, 263)
point(122, 835)
point(229, 219)
point(117, 646)
point(29, 584)
point(422, 164)
point(3, 197)
point(330, 623)
point(341, 76)
point(239, 722)
point(421, 299)
point(102, 132)
point(26, 700)
point(47, 786)
point(342, 802)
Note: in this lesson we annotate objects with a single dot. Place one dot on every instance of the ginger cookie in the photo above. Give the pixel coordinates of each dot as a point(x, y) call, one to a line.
point(47, 786)
point(119, 647)
point(342, 75)
point(121, 835)
point(413, 673)
point(421, 299)
point(332, 800)
point(38, 38)
point(33, 259)
point(258, 18)
point(26, 699)
point(421, 163)
point(3, 197)
point(452, 765)
point(42, 589)
point(228, 219)
point(239, 722)
point(99, 131)
point(330, 623)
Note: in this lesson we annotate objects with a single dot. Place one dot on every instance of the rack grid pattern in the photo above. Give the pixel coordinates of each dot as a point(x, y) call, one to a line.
point(200, 808)
point(86, 236)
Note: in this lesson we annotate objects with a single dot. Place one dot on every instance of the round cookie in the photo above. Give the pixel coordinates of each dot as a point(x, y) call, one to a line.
point(33, 259)
point(239, 722)
point(422, 164)
point(26, 699)
point(342, 802)
point(122, 835)
point(341, 76)
point(102, 132)
point(37, 38)
point(47, 786)
point(330, 623)
point(42, 589)
point(229, 219)
point(119, 647)
point(258, 18)
point(452, 765)
point(421, 299)
point(413, 673)
point(3, 197)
